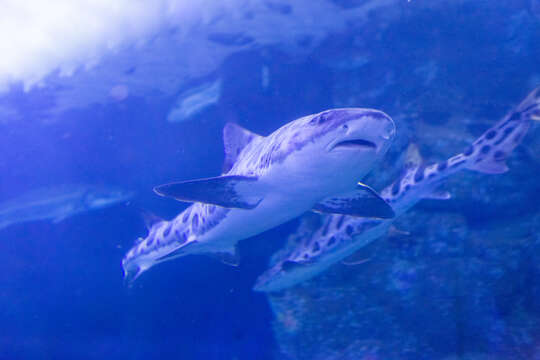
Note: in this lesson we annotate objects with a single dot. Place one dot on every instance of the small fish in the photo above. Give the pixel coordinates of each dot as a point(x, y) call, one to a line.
point(311, 163)
point(58, 203)
point(336, 237)
point(193, 101)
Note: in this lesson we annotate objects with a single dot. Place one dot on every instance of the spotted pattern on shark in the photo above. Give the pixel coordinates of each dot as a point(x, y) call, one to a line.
point(255, 195)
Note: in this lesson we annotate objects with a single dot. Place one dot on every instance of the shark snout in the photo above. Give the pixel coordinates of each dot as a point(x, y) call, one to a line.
point(389, 130)
point(371, 130)
point(376, 127)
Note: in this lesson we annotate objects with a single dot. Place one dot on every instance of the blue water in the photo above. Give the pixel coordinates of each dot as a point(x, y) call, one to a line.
point(444, 72)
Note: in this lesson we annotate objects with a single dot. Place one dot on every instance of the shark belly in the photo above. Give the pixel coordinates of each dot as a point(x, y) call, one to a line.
point(240, 224)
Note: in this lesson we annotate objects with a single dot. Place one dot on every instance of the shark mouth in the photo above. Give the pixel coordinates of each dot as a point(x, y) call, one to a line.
point(355, 143)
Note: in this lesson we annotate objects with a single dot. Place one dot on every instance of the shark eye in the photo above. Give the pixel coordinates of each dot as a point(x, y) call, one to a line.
point(345, 127)
point(321, 119)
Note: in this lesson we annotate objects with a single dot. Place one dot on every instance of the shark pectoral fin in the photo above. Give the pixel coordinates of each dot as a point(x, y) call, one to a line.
point(230, 191)
point(489, 166)
point(363, 202)
point(228, 258)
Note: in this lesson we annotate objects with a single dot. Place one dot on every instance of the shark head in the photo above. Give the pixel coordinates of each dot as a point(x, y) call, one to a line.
point(355, 130)
point(343, 132)
point(339, 145)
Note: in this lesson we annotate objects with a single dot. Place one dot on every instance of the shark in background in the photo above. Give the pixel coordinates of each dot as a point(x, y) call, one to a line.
point(322, 242)
point(193, 101)
point(311, 163)
point(59, 202)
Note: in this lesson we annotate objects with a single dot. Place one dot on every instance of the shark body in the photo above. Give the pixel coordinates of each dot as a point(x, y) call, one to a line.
point(325, 241)
point(58, 203)
point(311, 163)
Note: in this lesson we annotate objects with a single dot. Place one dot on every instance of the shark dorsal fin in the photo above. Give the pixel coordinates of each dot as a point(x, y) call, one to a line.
point(413, 158)
point(235, 139)
point(150, 219)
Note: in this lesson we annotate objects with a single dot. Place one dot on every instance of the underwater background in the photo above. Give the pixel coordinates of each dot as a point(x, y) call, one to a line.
point(145, 104)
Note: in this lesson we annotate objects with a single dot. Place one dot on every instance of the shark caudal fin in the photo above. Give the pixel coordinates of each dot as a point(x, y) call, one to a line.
point(130, 275)
point(488, 154)
point(231, 191)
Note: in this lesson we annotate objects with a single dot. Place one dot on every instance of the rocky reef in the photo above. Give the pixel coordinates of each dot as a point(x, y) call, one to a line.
point(460, 278)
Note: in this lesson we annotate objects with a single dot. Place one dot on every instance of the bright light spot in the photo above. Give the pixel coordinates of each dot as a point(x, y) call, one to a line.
point(39, 37)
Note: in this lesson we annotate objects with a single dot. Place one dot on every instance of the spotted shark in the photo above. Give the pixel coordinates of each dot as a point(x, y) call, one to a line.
point(323, 241)
point(312, 163)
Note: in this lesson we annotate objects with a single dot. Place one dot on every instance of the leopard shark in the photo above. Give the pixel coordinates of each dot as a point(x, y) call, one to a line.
point(312, 163)
point(323, 241)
